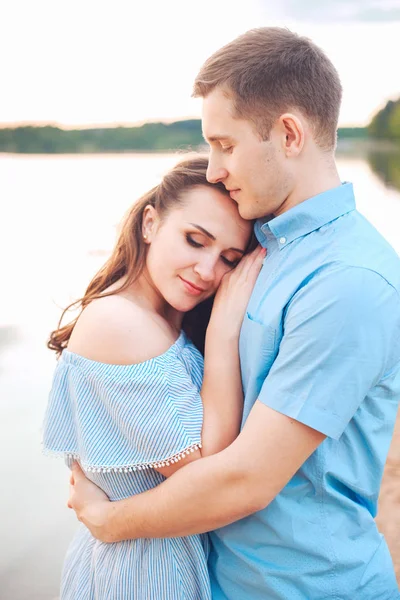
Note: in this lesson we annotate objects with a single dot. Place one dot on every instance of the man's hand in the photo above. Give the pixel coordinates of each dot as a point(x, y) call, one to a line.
point(90, 504)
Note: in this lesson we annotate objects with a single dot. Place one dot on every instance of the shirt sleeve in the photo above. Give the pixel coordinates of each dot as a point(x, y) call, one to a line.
point(338, 338)
point(113, 417)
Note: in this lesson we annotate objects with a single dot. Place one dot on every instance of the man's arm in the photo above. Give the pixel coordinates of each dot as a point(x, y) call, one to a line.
point(339, 332)
point(209, 493)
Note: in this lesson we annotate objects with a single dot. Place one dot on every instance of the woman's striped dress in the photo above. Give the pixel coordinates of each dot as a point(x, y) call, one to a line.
point(120, 422)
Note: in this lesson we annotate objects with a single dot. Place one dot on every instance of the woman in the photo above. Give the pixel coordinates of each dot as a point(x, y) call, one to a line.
point(129, 401)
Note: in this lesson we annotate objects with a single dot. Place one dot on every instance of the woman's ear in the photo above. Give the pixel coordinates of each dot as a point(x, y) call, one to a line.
point(150, 223)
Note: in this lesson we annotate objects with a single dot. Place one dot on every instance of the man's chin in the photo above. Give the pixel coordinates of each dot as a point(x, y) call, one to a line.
point(245, 212)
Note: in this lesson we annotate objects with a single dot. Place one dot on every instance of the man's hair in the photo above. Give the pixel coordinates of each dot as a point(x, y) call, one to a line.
point(271, 70)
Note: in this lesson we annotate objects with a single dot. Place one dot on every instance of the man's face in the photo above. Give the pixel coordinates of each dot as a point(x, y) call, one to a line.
point(254, 171)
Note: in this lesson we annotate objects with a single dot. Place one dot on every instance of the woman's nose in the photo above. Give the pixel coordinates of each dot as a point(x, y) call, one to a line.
point(206, 268)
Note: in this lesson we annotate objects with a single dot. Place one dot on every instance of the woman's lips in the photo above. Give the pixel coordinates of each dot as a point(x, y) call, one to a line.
point(193, 289)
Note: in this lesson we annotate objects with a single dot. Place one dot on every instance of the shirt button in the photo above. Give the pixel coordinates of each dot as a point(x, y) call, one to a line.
point(282, 240)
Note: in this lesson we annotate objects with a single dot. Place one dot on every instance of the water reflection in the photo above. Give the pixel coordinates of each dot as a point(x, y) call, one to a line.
point(8, 335)
point(387, 166)
point(383, 158)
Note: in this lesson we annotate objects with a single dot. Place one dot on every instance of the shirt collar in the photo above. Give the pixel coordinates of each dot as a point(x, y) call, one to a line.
point(306, 216)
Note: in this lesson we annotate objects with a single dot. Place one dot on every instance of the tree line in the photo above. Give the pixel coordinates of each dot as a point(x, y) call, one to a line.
point(157, 137)
point(386, 123)
point(152, 137)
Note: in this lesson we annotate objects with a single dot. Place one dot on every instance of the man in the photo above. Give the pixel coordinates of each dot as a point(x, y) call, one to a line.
point(292, 501)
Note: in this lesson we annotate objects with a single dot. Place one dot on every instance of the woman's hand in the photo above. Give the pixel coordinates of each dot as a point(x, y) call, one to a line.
point(90, 504)
point(234, 293)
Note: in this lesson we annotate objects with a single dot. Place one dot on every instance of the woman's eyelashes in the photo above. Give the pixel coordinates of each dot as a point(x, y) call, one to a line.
point(229, 263)
point(193, 242)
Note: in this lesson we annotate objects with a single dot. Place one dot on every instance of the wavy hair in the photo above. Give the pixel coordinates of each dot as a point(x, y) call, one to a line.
point(128, 258)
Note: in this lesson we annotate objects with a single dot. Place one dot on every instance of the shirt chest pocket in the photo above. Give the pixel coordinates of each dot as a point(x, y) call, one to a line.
point(258, 349)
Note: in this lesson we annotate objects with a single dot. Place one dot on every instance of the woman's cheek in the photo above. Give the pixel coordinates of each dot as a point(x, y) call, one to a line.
point(185, 255)
point(173, 253)
point(219, 275)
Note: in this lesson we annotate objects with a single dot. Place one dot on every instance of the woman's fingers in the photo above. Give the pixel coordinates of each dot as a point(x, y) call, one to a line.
point(235, 290)
point(246, 260)
point(250, 265)
point(257, 262)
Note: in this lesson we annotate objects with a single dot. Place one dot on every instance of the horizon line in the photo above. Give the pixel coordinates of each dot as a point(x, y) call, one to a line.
point(127, 124)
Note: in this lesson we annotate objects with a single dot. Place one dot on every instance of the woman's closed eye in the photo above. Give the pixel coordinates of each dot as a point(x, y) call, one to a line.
point(193, 242)
point(229, 263)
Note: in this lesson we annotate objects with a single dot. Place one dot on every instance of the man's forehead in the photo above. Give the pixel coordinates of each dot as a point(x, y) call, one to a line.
point(217, 125)
point(219, 120)
point(217, 104)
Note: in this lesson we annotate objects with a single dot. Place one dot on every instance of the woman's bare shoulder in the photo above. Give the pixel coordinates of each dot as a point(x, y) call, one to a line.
point(115, 330)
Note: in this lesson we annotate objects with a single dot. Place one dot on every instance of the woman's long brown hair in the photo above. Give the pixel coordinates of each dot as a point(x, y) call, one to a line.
point(129, 255)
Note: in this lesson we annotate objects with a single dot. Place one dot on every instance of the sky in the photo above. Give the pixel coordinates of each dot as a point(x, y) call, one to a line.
point(86, 62)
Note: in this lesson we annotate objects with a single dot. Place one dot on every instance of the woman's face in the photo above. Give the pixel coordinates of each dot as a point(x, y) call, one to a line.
point(194, 246)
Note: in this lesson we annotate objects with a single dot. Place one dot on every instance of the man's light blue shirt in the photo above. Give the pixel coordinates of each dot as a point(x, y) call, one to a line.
point(321, 344)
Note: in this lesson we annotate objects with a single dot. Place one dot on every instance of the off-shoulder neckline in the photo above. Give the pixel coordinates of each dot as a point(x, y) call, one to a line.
point(73, 357)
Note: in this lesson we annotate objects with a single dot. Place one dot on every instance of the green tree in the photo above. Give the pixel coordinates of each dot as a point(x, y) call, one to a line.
point(385, 124)
point(394, 122)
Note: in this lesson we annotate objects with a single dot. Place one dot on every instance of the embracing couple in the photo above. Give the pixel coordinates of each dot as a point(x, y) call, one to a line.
point(235, 368)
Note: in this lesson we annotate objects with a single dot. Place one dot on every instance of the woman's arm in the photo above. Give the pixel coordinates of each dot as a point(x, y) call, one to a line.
point(221, 392)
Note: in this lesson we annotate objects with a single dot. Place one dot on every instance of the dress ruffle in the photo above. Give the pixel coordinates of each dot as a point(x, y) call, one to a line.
point(126, 417)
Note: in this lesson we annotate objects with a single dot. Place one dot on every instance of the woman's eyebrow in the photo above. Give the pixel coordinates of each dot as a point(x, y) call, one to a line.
point(212, 237)
point(207, 233)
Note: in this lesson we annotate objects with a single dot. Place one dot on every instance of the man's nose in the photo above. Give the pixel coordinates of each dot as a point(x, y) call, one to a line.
point(216, 173)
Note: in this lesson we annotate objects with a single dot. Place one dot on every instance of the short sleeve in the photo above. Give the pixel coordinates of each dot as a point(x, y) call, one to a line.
point(132, 417)
point(339, 333)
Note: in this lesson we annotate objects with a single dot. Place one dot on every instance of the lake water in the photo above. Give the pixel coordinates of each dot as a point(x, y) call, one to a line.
point(58, 216)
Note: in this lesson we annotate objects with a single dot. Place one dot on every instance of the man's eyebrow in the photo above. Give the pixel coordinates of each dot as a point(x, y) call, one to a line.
point(212, 237)
point(216, 138)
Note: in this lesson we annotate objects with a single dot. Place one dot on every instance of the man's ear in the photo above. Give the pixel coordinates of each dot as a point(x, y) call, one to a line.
point(292, 133)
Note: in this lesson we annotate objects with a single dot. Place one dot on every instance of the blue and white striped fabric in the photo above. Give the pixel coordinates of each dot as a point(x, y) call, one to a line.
point(119, 422)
